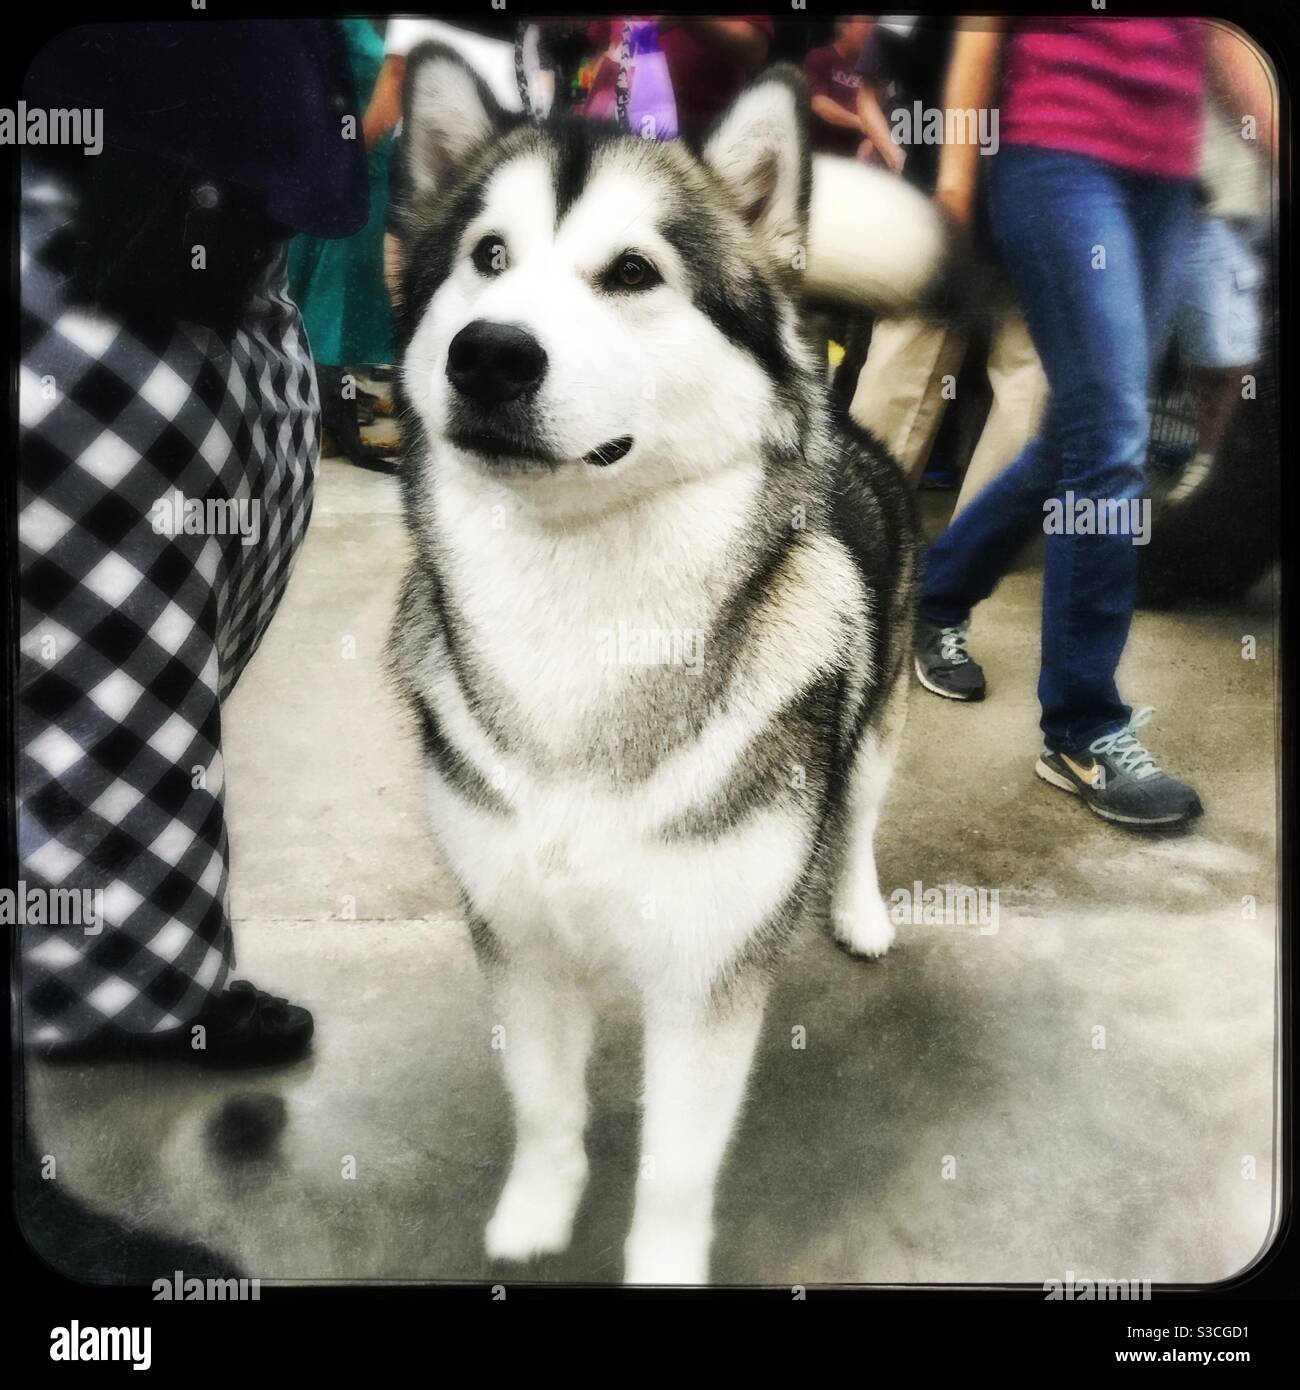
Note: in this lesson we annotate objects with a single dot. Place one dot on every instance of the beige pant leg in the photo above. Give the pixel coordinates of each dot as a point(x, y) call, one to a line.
point(1019, 394)
point(393, 267)
point(900, 393)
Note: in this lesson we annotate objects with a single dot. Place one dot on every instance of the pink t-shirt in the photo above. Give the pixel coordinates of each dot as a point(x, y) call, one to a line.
point(1127, 91)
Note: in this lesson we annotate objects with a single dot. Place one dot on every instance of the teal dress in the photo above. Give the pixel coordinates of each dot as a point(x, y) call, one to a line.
point(339, 285)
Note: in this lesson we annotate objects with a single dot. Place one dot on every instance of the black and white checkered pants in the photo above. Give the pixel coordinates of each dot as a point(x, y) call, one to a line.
point(131, 637)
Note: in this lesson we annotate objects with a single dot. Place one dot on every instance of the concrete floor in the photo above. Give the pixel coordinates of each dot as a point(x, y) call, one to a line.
point(950, 1120)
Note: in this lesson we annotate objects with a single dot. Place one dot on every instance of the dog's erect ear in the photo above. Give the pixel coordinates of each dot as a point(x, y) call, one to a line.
point(447, 112)
point(760, 151)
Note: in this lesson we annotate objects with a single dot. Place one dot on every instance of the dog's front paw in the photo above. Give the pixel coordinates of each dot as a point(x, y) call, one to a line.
point(666, 1255)
point(863, 928)
point(536, 1211)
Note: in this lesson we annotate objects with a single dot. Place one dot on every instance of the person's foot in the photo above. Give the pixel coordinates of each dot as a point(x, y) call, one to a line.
point(384, 441)
point(944, 666)
point(374, 455)
point(242, 1027)
point(375, 405)
point(1120, 781)
point(938, 477)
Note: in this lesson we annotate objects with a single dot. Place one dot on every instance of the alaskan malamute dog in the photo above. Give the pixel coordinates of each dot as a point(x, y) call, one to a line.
point(658, 626)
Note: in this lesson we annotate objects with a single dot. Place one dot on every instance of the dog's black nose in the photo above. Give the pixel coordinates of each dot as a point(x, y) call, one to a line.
point(494, 362)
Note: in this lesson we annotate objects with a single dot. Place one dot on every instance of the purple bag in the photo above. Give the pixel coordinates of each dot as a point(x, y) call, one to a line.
point(644, 100)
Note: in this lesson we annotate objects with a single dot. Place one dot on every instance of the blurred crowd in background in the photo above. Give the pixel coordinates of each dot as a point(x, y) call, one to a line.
point(867, 75)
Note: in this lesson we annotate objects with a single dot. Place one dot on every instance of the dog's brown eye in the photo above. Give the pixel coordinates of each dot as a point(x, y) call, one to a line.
point(489, 256)
point(633, 272)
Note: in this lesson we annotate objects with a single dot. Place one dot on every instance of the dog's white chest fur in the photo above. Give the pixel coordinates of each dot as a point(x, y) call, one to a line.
point(568, 626)
point(568, 618)
point(579, 871)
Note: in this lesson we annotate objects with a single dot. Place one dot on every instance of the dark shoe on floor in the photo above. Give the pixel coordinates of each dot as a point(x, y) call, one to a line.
point(938, 478)
point(944, 666)
point(242, 1027)
point(1120, 781)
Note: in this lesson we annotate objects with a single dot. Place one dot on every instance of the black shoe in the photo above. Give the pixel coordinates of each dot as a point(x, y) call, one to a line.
point(943, 664)
point(1120, 781)
point(242, 1027)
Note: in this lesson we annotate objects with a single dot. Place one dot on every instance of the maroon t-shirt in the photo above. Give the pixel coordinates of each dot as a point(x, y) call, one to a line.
point(829, 75)
point(1127, 91)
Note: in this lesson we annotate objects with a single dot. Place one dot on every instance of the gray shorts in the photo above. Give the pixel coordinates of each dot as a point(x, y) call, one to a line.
point(1219, 322)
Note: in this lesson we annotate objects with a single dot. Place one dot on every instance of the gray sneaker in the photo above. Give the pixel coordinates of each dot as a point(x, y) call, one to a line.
point(1120, 781)
point(944, 666)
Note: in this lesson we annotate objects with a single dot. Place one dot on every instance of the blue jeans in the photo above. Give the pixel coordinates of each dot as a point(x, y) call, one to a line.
point(1096, 254)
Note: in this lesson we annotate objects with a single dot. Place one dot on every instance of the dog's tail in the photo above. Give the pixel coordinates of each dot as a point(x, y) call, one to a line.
point(874, 241)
